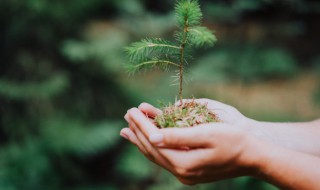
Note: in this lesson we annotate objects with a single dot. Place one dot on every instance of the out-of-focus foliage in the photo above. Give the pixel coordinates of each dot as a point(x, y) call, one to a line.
point(233, 11)
point(316, 63)
point(60, 116)
point(63, 89)
point(247, 64)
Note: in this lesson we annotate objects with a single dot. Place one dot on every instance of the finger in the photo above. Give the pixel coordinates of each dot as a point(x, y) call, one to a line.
point(129, 121)
point(131, 136)
point(136, 137)
point(224, 112)
point(150, 110)
point(127, 118)
point(142, 122)
point(142, 143)
point(193, 137)
point(196, 158)
point(140, 137)
point(212, 104)
point(151, 152)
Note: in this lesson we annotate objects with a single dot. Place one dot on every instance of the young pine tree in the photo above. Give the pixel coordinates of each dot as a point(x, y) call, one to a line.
point(156, 52)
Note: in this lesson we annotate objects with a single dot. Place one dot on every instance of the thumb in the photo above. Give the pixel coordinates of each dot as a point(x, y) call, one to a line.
point(150, 110)
point(193, 137)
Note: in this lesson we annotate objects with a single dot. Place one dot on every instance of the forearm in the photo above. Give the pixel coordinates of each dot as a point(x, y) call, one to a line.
point(285, 168)
point(302, 137)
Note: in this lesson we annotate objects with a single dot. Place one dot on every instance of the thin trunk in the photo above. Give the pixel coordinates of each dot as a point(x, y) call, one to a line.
point(182, 47)
point(181, 73)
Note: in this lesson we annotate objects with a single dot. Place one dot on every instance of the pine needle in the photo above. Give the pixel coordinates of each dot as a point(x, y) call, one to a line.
point(200, 36)
point(188, 10)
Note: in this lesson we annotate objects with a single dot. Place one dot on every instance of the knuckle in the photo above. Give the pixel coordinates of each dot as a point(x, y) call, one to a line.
point(149, 149)
point(170, 137)
point(184, 171)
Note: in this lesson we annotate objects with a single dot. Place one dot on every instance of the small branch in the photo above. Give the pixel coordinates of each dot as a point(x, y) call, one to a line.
point(157, 45)
point(156, 62)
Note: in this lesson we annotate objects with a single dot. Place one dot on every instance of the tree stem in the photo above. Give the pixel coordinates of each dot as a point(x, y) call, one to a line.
point(182, 47)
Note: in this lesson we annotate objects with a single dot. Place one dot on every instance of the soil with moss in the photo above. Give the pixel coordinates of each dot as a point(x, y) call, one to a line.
point(188, 114)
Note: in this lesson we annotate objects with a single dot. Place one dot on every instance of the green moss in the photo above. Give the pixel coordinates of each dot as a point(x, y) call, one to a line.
point(188, 114)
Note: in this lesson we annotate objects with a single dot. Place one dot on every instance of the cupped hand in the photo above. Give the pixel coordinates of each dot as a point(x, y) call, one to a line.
point(194, 155)
point(225, 113)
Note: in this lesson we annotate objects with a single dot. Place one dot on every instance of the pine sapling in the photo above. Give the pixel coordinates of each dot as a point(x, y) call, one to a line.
point(156, 52)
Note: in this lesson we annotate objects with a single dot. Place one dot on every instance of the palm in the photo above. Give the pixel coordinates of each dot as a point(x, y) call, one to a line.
point(226, 114)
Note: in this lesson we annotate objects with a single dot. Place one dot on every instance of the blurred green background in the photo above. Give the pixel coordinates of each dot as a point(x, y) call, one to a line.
point(64, 89)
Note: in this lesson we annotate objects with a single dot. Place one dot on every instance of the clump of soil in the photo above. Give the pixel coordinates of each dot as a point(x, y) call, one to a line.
point(188, 114)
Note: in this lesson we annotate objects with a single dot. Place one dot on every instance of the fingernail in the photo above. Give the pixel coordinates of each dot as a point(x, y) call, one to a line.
point(126, 117)
point(156, 138)
point(142, 104)
point(124, 136)
point(131, 110)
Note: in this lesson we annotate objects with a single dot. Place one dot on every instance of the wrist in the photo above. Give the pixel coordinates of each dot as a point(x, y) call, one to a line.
point(248, 125)
point(274, 164)
point(257, 129)
point(259, 156)
point(250, 157)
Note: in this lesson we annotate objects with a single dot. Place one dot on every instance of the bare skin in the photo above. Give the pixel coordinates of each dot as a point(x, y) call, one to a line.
point(218, 151)
point(302, 137)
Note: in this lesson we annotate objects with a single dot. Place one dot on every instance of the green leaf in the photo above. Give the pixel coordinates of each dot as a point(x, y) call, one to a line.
point(188, 12)
point(201, 36)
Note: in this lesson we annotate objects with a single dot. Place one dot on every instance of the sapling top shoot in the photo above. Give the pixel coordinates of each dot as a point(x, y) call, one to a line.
point(155, 52)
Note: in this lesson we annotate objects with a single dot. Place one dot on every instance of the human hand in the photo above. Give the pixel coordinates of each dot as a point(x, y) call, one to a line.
point(214, 151)
point(225, 113)
point(217, 151)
